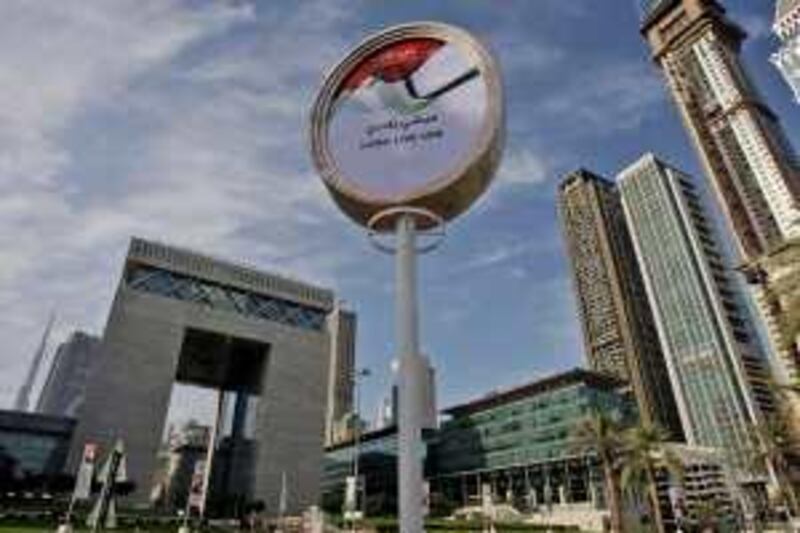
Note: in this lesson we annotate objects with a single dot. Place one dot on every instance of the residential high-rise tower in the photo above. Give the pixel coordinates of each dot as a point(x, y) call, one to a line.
point(619, 336)
point(717, 370)
point(739, 139)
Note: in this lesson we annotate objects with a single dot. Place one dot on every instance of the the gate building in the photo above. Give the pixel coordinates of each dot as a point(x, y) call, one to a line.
point(181, 317)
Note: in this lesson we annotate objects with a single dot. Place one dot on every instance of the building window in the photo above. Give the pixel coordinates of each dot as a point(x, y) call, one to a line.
point(219, 297)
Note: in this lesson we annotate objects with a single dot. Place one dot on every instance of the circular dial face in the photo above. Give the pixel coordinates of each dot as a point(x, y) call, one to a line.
point(406, 115)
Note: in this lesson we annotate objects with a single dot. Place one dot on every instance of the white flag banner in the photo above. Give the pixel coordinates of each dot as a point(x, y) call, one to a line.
point(83, 481)
point(350, 494)
point(487, 502)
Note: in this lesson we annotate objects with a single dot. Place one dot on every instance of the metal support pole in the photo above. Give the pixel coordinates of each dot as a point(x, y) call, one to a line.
point(359, 507)
point(410, 380)
point(356, 451)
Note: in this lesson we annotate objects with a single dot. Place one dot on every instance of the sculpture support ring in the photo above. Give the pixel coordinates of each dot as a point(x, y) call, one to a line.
point(382, 228)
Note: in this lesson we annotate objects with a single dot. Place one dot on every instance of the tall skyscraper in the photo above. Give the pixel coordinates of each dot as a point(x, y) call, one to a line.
point(342, 331)
point(787, 28)
point(618, 331)
point(716, 368)
point(740, 142)
point(64, 390)
point(387, 411)
point(21, 403)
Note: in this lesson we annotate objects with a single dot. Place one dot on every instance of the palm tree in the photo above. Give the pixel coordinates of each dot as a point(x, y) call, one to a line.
point(600, 434)
point(772, 443)
point(645, 453)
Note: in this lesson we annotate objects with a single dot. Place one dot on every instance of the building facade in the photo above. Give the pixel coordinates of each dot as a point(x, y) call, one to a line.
point(718, 373)
point(179, 316)
point(387, 410)
point(619, 334)
point(787, 28)
point(706, 485)
point(377, 466)
point(740, 142)
point(518, 441)
point(342, 330)
point(776, 278)
point(33, 448)
point(63, 391)
point(521, 443)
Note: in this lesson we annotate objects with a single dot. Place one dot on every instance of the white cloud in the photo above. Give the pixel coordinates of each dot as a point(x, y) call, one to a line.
point(605, 98)
point(756, 26)
point(112, 124)
point(522, 167)
point(58, 58)
point(518, 53)
point(497, 256)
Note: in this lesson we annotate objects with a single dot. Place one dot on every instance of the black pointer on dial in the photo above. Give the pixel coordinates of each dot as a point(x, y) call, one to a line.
point(436, 93)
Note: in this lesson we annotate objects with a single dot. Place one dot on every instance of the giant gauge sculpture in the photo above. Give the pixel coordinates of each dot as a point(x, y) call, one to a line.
point(406, 133)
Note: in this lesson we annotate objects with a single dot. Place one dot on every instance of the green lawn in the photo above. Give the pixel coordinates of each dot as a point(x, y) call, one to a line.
point(43, 527)
point(21, 529)
point(33, 529)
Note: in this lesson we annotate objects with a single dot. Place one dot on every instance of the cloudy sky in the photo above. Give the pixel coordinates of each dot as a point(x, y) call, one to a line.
point(184, 121)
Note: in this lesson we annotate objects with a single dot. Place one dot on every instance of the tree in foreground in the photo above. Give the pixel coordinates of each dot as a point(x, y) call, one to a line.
point(706, 514)
point(601, 434)
point(645, 454)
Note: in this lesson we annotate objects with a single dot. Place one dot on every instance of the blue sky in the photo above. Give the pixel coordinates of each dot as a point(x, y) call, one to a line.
point(184, 121)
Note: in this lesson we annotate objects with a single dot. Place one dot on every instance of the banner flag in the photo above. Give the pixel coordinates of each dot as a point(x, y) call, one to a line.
point(83, 482)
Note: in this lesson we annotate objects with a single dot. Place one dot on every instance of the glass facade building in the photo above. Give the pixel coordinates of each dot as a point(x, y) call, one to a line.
point(520, 442)
point(716, 368)
point(32, 446)
point(377, 464)
point(162, 282)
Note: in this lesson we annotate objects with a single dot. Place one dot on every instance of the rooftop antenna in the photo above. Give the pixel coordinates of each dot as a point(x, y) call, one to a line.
point(23, 396)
